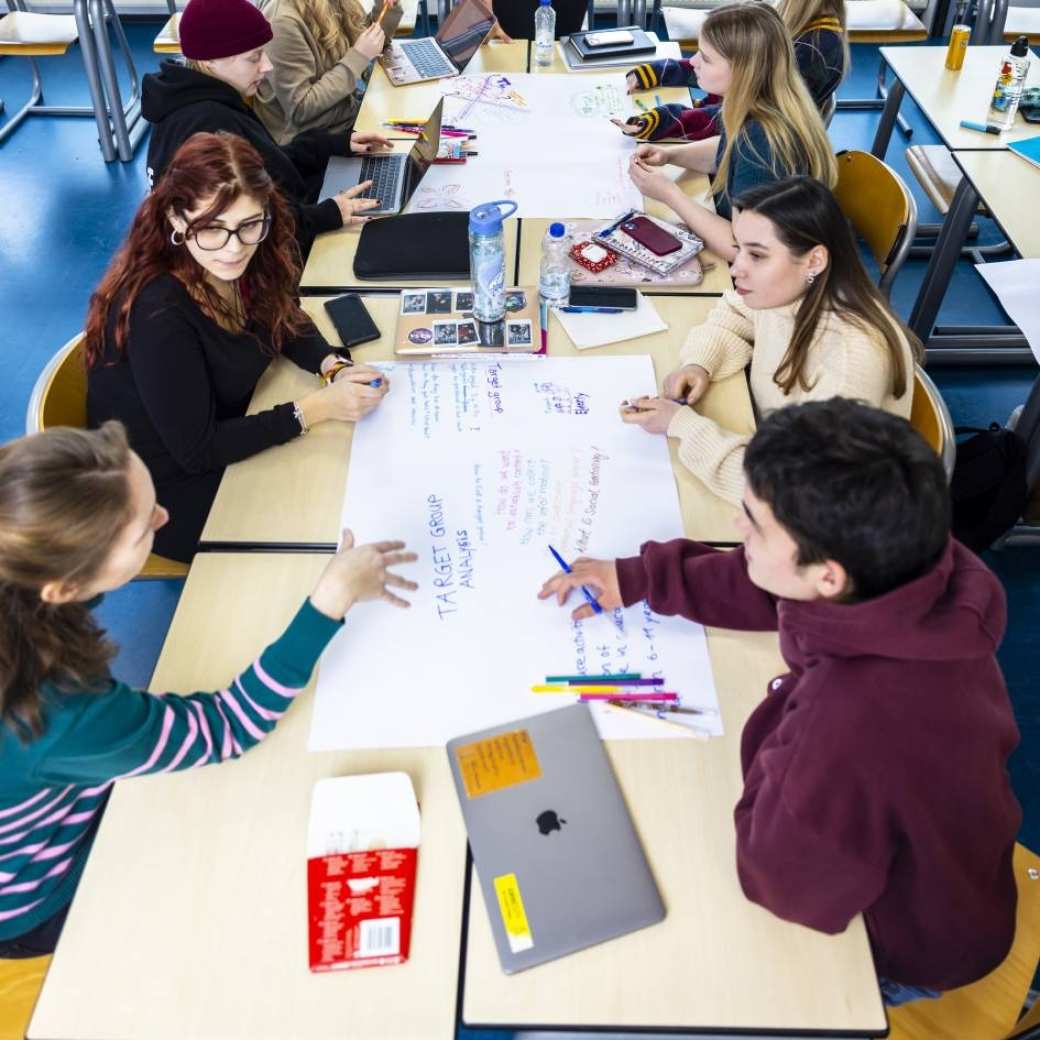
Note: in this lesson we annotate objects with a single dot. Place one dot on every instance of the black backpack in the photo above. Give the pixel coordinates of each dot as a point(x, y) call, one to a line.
point(988, 488)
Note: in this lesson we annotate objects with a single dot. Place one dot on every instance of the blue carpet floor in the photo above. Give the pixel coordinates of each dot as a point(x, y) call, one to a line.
point(63, 212)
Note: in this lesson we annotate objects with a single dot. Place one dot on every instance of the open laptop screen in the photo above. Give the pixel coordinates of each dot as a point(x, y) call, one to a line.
point(464, 31)
point(423, 152)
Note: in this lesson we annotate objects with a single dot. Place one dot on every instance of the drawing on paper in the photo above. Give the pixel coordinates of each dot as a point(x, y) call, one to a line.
point(604, 101)
point(443, 196)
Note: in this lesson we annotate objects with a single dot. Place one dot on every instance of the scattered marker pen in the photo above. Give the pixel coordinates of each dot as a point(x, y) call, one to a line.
point(982, 128)
point(591, 310)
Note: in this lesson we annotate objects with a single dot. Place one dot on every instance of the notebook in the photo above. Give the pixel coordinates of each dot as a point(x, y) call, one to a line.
point(1029, 149)
point(560, 864)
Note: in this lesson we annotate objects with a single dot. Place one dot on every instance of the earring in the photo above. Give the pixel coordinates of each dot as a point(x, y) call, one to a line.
point(177, 237)
point(810, 278)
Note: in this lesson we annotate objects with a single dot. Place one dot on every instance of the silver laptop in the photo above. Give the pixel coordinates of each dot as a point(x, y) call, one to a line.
point(394, 177)
point(559, 861)
point(448, 53)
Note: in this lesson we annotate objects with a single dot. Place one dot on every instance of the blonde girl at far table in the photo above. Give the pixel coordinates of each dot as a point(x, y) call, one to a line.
point(78, 515)
point(321, 53)
point(806, 317)
point(769, 126)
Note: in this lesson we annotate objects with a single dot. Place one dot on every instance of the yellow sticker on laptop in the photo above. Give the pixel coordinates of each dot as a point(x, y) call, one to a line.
point(495, 763)
point(514, 917)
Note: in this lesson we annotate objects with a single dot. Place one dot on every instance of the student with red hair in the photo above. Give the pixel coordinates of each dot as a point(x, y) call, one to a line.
point(192, 310)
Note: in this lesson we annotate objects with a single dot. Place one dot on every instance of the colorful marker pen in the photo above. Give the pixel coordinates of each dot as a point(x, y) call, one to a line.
point(982, 128)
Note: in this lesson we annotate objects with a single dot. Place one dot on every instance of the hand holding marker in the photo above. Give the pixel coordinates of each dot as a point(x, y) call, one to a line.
point(590, 599)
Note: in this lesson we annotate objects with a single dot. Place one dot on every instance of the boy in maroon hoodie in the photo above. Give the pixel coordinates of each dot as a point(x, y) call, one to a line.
point(875, 770)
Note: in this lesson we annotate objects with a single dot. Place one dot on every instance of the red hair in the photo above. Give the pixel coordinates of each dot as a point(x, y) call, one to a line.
point(221, 167)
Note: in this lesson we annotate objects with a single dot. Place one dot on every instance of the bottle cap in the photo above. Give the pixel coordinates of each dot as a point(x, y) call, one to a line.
point(1020, 48)
point(486, 219)
point(545, 3)
point(557, 230)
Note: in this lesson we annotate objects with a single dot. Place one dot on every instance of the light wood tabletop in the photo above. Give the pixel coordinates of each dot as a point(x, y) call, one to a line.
point(947, 97)
point(1005, 181)
point(717, 961)
point(293, 494)
point(191, 917)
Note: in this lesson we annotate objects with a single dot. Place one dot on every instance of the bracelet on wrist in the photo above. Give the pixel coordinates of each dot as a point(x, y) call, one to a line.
point(298, 413)
point(334, 370)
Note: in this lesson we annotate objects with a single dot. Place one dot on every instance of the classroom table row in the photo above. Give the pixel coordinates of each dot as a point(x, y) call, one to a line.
point(292, 495)
point(992, 176)
point(330, 267)
point(191, 916)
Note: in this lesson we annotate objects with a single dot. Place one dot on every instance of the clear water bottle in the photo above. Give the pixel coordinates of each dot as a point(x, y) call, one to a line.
point(554, 275)
point(1007, 91)
point(544, 32)
point(487, 259)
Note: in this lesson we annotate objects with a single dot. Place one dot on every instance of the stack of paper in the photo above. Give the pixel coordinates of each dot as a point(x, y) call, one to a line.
point(597, 330)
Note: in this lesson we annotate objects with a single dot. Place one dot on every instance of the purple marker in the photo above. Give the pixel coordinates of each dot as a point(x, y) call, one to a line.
point(607, 681)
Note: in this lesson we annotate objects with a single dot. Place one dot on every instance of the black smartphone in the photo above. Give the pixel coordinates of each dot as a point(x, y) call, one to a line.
point(351, 319)
point(603, 296)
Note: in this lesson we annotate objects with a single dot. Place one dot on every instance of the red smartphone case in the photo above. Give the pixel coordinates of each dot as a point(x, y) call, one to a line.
point(647, 233)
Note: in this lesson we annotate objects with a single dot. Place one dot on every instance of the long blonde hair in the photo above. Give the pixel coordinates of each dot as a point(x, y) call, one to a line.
point(767, 87)
point(334, 24)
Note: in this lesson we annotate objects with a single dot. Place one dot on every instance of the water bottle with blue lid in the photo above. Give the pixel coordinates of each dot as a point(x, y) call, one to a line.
point(487, 259)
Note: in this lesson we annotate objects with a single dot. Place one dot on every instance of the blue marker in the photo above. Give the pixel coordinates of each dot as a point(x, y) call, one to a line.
point(376, 382)
point(585, 592)
point(591, 310)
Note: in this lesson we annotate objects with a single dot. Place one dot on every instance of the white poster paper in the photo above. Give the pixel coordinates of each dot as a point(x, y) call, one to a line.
point(567, 118)
point(479, 466)
point(1014, 283)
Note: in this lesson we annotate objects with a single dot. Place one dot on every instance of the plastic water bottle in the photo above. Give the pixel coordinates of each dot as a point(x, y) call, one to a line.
point(544, 32)
point(1007, 91)
point(554, 275)
point(487, 259)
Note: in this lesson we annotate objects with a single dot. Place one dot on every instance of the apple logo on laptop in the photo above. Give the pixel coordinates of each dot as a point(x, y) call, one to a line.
point(548, 821)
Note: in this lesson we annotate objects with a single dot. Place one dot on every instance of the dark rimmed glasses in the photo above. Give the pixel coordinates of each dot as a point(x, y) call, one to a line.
point(214, 237)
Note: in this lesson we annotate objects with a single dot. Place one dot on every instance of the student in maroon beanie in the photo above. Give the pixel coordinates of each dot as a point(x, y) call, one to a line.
point(875, 770)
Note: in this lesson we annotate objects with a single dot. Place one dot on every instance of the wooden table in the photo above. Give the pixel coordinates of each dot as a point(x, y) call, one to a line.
point(190, 920)
point(1009, 186)
point(947, 97)
point(717, 962)
point(310, 473)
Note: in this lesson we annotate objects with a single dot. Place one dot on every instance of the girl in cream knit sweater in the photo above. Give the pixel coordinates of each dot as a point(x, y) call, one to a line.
point(806, 317)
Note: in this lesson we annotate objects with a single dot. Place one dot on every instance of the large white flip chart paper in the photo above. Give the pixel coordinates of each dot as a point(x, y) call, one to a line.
point(479, 466)
point(560, 157)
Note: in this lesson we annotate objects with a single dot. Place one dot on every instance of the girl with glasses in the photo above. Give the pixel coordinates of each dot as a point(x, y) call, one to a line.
point(193, 309)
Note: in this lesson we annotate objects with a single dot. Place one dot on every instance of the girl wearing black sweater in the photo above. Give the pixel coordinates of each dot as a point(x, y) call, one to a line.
point(191, 312)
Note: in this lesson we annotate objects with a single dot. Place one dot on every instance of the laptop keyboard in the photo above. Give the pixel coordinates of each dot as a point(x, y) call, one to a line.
point(384, 174)
point(428, 59)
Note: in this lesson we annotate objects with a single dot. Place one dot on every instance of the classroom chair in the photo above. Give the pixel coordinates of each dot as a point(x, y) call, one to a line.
point(20, 982)
point(988, 1009)
point(930, 416)
point(59, 398)
point(169, 39)
point(24, 34)
point(1026, 422)
point(877, 203)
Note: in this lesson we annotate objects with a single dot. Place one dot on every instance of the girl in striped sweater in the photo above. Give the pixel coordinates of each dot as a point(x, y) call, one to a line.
point(821, 51)
point(77, 517)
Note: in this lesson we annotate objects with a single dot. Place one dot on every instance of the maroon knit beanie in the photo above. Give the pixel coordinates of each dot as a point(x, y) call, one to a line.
point(221, 29)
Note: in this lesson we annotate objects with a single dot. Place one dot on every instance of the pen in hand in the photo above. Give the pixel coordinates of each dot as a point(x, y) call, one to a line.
point(590, 599)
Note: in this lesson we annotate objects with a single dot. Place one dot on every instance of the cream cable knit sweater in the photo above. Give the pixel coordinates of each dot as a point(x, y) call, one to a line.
point(843, 361)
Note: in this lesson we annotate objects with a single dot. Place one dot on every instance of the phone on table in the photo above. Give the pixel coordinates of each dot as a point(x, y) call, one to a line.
point(644, 231)
point(609, 38)
point(603, 296)
point(351, 319)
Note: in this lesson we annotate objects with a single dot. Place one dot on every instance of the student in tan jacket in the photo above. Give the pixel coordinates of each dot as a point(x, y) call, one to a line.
point(321, 51)
point(806, 317)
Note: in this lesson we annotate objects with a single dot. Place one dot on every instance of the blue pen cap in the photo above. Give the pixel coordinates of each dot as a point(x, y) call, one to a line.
point(557, 230)
point(486, 219)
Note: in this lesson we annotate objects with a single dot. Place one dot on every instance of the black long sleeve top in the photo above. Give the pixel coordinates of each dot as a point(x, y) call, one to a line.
point(182, 385)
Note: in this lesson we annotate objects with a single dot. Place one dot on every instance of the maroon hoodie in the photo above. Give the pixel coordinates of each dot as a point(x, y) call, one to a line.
point(875, 776)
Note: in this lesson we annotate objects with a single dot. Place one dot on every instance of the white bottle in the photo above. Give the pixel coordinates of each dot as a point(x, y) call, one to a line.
point(1007, 91)
point(544, 32)
point(554, 275)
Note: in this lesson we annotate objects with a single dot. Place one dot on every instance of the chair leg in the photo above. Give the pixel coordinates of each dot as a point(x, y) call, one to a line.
point(876, 103)
point(34, 99)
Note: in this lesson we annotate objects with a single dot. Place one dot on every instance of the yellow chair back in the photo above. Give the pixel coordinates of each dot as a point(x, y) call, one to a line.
point(20, 982)
point(60, 399)
point(987, 1009)
point(930, 416)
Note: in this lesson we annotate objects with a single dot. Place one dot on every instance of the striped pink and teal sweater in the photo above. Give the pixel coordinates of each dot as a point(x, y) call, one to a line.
point(53, 788)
